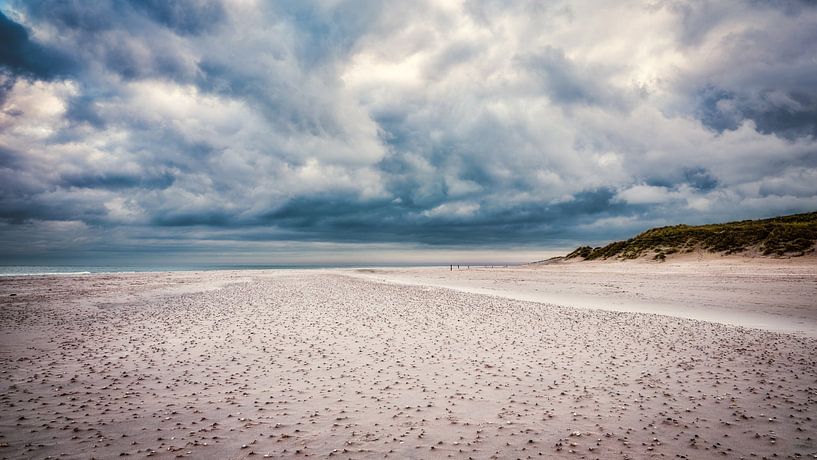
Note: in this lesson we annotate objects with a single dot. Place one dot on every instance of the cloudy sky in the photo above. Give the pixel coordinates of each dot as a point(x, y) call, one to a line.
point(357, 130)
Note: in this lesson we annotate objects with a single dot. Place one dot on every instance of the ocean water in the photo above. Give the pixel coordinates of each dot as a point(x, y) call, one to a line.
point(73, 270)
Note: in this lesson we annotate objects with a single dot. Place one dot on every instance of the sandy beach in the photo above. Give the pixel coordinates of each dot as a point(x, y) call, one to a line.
point(566, 361)
point(771, 294)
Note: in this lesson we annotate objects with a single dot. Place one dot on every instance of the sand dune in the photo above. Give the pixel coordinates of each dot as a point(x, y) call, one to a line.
point(323, 364)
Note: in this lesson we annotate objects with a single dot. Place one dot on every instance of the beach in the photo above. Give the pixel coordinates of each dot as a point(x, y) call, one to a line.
point(589, 361)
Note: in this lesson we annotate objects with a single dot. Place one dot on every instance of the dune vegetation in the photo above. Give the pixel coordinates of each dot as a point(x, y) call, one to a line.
point(789, 236)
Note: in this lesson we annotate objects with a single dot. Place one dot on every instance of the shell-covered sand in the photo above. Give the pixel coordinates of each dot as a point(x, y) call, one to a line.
point(328, 364)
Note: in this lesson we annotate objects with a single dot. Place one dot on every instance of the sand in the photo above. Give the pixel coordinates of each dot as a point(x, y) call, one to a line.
point(772, 294)
point(342, 364)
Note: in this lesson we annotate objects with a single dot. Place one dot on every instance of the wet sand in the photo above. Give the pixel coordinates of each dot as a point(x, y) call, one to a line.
point(332, 364)
point(773, 294)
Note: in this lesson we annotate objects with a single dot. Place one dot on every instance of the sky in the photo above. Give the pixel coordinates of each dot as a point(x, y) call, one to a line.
point(358, 131)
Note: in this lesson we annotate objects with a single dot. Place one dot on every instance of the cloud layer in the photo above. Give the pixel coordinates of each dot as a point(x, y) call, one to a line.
point(143, 126)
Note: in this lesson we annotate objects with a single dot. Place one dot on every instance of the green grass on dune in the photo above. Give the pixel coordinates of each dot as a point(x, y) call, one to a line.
point(793, 235)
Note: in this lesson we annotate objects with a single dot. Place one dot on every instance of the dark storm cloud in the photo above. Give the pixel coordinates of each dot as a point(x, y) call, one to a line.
point(343, 218)
point(132, 39)
point(20, 55)
point(768, 74)
point(791, 115)
point(10, 159)
point(184, 16)
point(116, 181)
point(492, 123)
point(82, 109)
point(696, 178)
point(700, 179)
point(567, 83)
point(184, 219)
point(25, 208)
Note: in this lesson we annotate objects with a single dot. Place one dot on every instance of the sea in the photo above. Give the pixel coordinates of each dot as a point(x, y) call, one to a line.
point(73, 270)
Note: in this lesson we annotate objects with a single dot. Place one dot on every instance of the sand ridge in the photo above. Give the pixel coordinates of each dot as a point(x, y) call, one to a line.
point(318, 364)
point(772, 294)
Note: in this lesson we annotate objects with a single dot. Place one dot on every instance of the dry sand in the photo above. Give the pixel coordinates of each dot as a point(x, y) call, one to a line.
point(330, 364)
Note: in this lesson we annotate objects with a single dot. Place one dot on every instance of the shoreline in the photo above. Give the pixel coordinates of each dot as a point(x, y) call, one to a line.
point(775, 295)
